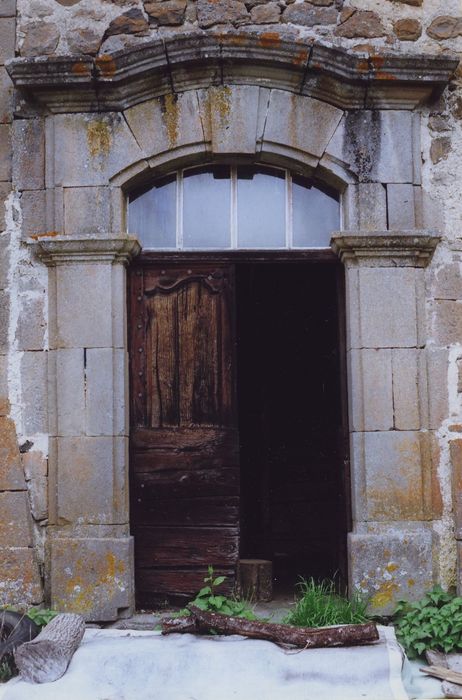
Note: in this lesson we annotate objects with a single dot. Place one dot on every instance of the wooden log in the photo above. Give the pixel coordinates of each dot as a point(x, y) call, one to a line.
point(304, 637)
point(255, 579)
point(46, 658)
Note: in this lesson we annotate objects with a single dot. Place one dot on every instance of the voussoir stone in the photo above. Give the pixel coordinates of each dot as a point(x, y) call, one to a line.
point(170, 12)
point(131, 22)
point(308, 16)
point(363, 23)
point(445, 27)
point(210, 12)
point(41, 39)
point(408, 29)
point(266, 14)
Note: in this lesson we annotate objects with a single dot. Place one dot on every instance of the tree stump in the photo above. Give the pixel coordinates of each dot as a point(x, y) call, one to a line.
point(255, 579)
point(47, 657)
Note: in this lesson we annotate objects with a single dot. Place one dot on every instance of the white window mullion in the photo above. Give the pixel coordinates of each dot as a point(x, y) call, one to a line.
point(233, 222)
point(179, 210)
point(289, 218)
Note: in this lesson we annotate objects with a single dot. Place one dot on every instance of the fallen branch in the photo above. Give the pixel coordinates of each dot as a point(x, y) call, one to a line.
point(202, 622)
point(444, 674)
point(47, 657)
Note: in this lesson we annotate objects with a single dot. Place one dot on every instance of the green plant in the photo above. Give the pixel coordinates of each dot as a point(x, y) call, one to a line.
point(41, 616)
point(209, 599)
point(319, 605)
point(7, 670)
point(434, 622)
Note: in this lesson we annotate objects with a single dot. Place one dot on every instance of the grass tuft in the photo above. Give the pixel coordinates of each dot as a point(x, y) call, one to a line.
point(319, 605)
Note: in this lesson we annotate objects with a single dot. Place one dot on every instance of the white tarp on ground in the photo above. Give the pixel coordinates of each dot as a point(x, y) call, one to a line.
point(129, 665)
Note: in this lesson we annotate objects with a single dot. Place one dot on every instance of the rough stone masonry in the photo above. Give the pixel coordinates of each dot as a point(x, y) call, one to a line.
point(65, 540)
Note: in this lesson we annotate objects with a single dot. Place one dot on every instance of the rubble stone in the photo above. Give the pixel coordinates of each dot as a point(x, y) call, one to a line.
point(445, 27)
point(131, 22)
point(266, 14)
point(210, 12)
point(408, 29)
point(363, 23)
point(41, 39)
point(85, 41)
point(169, 12)
point(308, 16)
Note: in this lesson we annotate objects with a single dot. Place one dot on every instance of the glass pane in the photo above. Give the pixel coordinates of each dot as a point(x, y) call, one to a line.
point(315, 215)
point(261, 210)
point(152, 215)
point(207, 208)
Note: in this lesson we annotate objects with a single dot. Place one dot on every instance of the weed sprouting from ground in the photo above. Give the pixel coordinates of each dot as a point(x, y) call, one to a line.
point(319, 605)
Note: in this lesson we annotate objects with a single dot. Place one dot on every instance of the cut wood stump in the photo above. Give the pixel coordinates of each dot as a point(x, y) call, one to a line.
point(255, 579)
point(47, 657)
point(201, 622)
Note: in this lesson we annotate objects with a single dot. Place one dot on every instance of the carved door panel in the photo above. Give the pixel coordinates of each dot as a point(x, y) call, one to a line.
point(184, 439)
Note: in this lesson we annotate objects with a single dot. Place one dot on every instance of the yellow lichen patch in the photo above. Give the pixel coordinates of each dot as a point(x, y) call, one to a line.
point(391, 567)
point(169, 107)
point(98, 138)
point(410, 582)
point(221, 104)
point(384, 595)
point(46, 234)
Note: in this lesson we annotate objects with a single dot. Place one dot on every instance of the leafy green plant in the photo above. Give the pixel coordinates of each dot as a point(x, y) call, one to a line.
point(41, 616)
point(7, 670)
point(211, 600)
point(434, 622)
point(319, 605)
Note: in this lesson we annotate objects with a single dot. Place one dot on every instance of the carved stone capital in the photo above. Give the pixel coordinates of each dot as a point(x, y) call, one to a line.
point(63, 250)
point(385, 248)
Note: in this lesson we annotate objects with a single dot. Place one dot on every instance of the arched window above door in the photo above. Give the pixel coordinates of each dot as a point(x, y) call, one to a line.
point(221, 207)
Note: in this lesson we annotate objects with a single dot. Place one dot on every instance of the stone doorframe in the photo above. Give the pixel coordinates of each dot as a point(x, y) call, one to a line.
point(111, 123)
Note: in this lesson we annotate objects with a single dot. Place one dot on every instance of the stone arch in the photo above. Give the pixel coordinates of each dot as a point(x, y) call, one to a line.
point(128, 117)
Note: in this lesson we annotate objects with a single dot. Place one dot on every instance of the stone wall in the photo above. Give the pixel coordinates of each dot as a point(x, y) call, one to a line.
point(31, 205)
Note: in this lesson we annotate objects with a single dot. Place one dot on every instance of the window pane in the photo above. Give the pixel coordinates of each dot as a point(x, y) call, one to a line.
point(207, 208)
point(152, 215)
point(315, 215)
point(261, 213)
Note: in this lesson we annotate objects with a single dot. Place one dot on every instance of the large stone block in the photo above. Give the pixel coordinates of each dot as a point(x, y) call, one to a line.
point(6, 97)
point(11, 473)
point(408, 377)
point(30, 332)
point(7, 38)
point(390, 565)
point(370, 390)
point(447, 321)
point(87, 471)
point(456, 463)
point(34, 392)
point(70, 391)
point(98, 146)
point(167, 123)
point(5, 189)
point(29, 154)
point(106, 391)
point(392, 465)
point(4, 401)
point(38, 497)
point(84, 305)
point(86, 211)
point(5, 150)
point(388, 313)
point(401, 207)
point(446, 282)
point(15, 525)
point(287, 120)
point(34, 217)
point(92, 577)
point(437, 360)
point(366, 207)
point(20, 583)
point(4, 320)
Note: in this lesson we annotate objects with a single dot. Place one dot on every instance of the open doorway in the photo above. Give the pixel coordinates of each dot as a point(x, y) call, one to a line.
point(291, 419)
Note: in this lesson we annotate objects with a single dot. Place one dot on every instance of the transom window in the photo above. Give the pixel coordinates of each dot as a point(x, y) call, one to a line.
point(220, 207)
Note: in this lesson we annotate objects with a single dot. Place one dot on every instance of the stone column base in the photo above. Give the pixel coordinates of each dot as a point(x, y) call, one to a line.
point(93, 577)
point(391, 563)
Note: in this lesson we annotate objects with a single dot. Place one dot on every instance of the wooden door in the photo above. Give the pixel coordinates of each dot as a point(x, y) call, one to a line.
point(184, 439)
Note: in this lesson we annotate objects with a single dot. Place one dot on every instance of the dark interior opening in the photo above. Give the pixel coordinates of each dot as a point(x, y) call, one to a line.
point(291, 419)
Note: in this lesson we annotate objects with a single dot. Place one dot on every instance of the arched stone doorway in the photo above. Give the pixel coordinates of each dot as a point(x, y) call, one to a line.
point(267, 104)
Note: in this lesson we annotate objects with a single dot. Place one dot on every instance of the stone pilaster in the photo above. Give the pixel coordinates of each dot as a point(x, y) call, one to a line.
point(90, 551)
point(390, 445)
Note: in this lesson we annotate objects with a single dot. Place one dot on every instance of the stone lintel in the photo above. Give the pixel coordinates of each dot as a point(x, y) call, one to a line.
point(124, 78)
point(64, 250)
point(385, 248)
